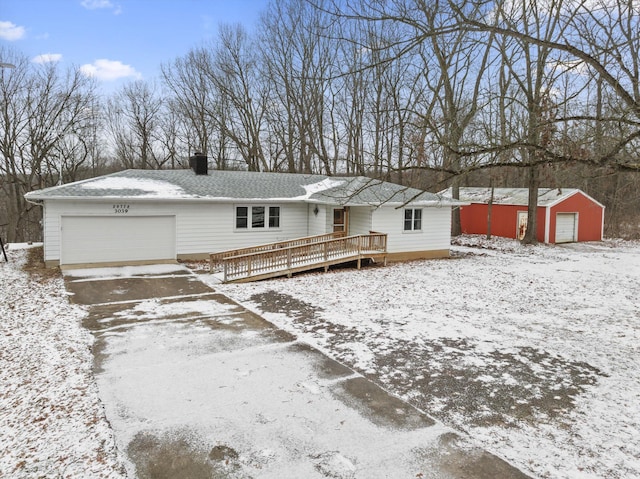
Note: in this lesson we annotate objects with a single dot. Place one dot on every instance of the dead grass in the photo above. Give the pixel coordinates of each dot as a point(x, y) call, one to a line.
point(36, 268)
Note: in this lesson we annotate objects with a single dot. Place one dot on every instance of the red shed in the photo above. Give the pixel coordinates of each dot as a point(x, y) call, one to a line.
point(565, 215)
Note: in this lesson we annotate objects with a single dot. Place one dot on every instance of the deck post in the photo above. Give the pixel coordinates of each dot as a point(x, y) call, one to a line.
point(224, 277)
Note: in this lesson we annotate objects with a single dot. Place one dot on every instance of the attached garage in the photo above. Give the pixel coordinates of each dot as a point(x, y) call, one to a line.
point(565, 215)
point(117, 239)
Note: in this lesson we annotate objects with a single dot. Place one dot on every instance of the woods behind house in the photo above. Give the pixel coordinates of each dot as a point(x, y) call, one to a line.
point(427, 94)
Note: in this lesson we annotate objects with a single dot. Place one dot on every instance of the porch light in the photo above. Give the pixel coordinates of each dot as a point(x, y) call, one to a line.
point(316, 210)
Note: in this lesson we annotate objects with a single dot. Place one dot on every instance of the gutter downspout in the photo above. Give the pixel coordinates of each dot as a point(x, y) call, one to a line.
point(35, 202)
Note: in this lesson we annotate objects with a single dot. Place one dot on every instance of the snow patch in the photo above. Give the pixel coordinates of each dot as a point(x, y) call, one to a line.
point(52, 423)
point(151, 187)
point(541, 342)
point(323, 185)
point(124, 271)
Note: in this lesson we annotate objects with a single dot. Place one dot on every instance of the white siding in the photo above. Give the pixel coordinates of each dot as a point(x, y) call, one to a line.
point(359, 220)
point(435, 233)
point(205, 227)
point(201, 227)
point(47, 230)
point(317, 223)
point(293, 224)
point(328, 226)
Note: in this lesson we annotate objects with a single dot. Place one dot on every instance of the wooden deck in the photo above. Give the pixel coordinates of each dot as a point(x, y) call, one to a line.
point(297, 255)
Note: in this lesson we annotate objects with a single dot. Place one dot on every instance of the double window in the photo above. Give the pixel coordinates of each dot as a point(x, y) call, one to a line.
point(412, 219)
point(257, 217)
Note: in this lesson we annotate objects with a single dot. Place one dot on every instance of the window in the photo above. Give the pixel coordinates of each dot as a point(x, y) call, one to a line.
point(274, 217)
point(257, 217)
point(412, 219)
point(242, 217)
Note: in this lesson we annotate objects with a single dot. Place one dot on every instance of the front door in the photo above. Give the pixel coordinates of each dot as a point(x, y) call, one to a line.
point(340, 216)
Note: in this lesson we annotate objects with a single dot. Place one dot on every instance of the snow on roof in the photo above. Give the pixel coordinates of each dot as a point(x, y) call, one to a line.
point(323, 185)
point(143, 185)
point(221, 185)
point(512, 196)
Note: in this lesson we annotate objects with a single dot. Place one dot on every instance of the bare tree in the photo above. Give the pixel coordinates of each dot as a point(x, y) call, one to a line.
point(134, 118)
point(455, 67)
point(602, 40)
point(235, 74)
point(196, 104)
point(530, 67)
point(299, 58)
point(533, 51)
point(44, 115)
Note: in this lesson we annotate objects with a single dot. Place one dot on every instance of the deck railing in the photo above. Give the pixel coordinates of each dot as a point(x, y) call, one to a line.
point(299, 256)
point(216, 259)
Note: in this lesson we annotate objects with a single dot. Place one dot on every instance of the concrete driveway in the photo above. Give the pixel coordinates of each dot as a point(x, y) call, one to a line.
point(195, 386)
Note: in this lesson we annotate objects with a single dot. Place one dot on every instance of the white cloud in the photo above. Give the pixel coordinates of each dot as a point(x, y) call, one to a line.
point(109, 70)
point(577, 67)
point(98, 4)
point(47, 58)
point(95, 4)
point(10, 31)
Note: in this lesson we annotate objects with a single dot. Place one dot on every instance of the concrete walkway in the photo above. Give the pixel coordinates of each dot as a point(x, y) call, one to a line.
point(195, 386)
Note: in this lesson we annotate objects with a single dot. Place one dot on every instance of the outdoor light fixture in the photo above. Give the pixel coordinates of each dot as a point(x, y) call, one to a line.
point(315, 210)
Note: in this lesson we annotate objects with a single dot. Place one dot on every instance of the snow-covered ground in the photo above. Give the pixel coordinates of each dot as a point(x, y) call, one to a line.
point(533, 351)
point(52, 423)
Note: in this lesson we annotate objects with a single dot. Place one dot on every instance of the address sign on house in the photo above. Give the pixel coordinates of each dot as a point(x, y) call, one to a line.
point(121, 209)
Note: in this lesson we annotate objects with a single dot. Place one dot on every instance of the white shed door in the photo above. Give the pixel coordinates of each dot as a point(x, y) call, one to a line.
point(105, 239)
point(566, 227)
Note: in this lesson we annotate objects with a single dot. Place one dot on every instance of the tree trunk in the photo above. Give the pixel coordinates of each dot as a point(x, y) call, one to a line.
point(489, 211)
point(456, 227)
point(530, 236)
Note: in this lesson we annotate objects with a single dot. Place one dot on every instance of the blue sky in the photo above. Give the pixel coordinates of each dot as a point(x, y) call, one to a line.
point(117, 40)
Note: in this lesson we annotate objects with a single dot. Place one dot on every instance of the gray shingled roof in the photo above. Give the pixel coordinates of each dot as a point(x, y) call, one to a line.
point(512, 196)
point(237, 186)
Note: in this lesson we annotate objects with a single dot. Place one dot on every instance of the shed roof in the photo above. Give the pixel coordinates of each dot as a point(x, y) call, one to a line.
point(239, 186)
point(515, 196)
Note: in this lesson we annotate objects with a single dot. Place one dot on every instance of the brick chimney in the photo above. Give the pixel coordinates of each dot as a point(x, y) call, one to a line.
point(199, 163)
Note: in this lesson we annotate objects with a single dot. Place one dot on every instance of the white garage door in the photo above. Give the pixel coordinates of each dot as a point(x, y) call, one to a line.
point(566, 227)
point(107, 239)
